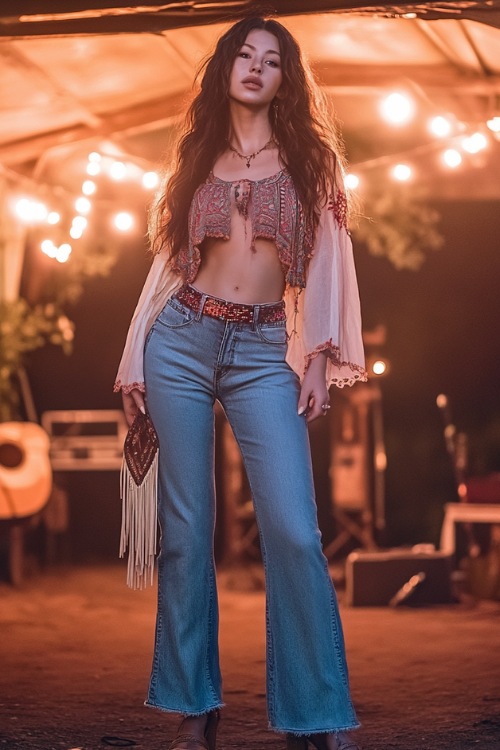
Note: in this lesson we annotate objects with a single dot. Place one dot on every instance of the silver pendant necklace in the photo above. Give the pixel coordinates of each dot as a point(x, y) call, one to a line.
point(248, 158)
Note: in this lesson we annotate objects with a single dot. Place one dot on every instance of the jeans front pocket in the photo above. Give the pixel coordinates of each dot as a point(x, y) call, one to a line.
point(175, 314)
point(273, 333)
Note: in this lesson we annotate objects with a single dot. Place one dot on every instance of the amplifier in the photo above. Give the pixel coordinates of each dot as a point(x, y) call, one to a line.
point(412, 576)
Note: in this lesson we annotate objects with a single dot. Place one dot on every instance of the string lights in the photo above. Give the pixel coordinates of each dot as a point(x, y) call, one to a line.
point(33, 212)
point(453, 143)
point(454, 140)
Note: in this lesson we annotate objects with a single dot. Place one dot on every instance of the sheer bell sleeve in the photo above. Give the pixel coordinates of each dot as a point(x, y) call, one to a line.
point(160, 284)
point(326, 316)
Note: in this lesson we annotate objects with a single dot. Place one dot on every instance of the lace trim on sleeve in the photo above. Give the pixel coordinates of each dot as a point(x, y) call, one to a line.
point(119, 386)
point(332, 351)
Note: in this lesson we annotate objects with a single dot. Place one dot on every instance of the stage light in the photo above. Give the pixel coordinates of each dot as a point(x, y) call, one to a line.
point(402, 172)
point(397, 108)
point(88, 187)
point(351, 181)
point(440, 126)
point(150, 180)
point(474, 143)
point(452, 158)
point(117, 170)
point(123, 221)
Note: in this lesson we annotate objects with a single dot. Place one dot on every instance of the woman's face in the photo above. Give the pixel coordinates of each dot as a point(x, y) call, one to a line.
point(256, 75)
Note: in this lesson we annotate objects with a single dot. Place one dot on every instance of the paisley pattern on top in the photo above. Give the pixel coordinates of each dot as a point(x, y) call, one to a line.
point(273, 209)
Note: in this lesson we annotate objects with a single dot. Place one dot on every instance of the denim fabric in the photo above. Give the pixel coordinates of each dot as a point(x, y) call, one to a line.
point(192, 360)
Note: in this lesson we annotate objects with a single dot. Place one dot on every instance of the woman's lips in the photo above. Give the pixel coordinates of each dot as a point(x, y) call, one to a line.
point(254, 83)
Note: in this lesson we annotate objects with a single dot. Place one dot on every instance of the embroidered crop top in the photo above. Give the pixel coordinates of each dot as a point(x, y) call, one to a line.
point(321, 294)
point(273, 209)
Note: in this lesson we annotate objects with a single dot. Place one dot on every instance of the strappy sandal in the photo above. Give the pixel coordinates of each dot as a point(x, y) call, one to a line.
point(187, 741)
point(344, 742)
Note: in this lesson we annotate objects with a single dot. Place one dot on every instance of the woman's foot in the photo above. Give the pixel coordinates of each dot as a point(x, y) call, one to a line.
point(197, 732)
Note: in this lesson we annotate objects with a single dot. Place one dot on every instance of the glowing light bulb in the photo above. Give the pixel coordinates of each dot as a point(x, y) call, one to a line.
point(94, 157)
point(474, 143)
point(402, 172)
point(351, 181)
point(150, 180)
point(93, 168)
point(117, 170)
point(494, 124)
point(80, 222)
point(31, 211)
point(379, 367)
point(48, 247)
point(397, 108)
point(452, 158)
point(83, 205)
point(53, 217)
point(440, 126)
point(63, 252)
point(123, 221)
point(88, 187)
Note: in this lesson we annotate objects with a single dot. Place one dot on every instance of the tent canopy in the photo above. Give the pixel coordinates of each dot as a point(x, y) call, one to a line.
point(121, 75)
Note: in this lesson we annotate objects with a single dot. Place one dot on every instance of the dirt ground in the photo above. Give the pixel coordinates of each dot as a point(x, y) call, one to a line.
point(76, 647)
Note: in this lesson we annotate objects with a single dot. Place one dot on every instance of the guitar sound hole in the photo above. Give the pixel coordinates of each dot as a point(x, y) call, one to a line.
point(11, 455)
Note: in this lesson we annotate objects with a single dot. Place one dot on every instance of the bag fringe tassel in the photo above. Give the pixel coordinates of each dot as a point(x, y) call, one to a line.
point(139, 524)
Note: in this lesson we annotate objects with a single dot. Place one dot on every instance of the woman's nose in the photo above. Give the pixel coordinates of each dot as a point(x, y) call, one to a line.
point(256, 67)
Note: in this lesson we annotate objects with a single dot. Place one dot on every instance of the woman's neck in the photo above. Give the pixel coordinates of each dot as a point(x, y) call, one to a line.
point(250, 129)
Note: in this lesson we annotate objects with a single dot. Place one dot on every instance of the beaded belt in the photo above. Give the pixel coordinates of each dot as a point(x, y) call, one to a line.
point(220, 308)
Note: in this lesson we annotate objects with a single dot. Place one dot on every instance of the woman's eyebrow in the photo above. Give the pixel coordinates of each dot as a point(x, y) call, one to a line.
point(267, 52)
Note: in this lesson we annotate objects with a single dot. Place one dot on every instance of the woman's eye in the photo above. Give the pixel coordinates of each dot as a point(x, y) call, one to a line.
point(244, 54)
point(272, 63)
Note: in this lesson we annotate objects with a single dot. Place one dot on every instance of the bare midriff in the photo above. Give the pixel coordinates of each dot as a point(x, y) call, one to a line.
point(236, 271)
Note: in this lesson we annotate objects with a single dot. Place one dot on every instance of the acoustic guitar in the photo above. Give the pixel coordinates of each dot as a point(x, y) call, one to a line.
point(25, 470)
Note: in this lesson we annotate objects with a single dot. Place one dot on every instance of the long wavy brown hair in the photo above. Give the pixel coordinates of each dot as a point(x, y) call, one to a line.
point(309, 144)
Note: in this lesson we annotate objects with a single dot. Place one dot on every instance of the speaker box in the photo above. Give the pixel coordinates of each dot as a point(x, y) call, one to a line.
point(377, 579)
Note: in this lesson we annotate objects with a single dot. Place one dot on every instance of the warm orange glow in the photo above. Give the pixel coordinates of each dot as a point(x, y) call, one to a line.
point(150, 180)
point(397, 108)
point(123, 221)
point(31, 211)
point(475, 143)
point(351, 181)
point(494, 124)
point(118, 171)
point(402, 172)
point(442, 401)
point(53, 217)
point(379, 367)
point(89, 187)
point(452, 158)
point(93, 168)
point(83, 205)
point(440, 126)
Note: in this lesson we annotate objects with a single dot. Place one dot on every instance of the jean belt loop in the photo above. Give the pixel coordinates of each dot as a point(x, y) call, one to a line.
point(201, 306)
point(255, 316)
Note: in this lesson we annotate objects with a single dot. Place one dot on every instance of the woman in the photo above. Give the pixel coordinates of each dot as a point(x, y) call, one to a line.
point(252, 301)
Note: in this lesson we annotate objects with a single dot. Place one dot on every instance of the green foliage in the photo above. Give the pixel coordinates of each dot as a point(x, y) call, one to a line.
point(398, 224)
point(23, 329)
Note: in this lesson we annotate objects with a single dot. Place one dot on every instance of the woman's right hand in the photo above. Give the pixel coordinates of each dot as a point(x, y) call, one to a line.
point(132, 403)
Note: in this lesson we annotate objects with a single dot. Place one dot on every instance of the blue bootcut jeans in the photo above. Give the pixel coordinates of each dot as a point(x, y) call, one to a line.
point(192, 360)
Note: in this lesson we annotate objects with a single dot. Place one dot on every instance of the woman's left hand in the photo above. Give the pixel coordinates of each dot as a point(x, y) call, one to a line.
point(314, 393)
